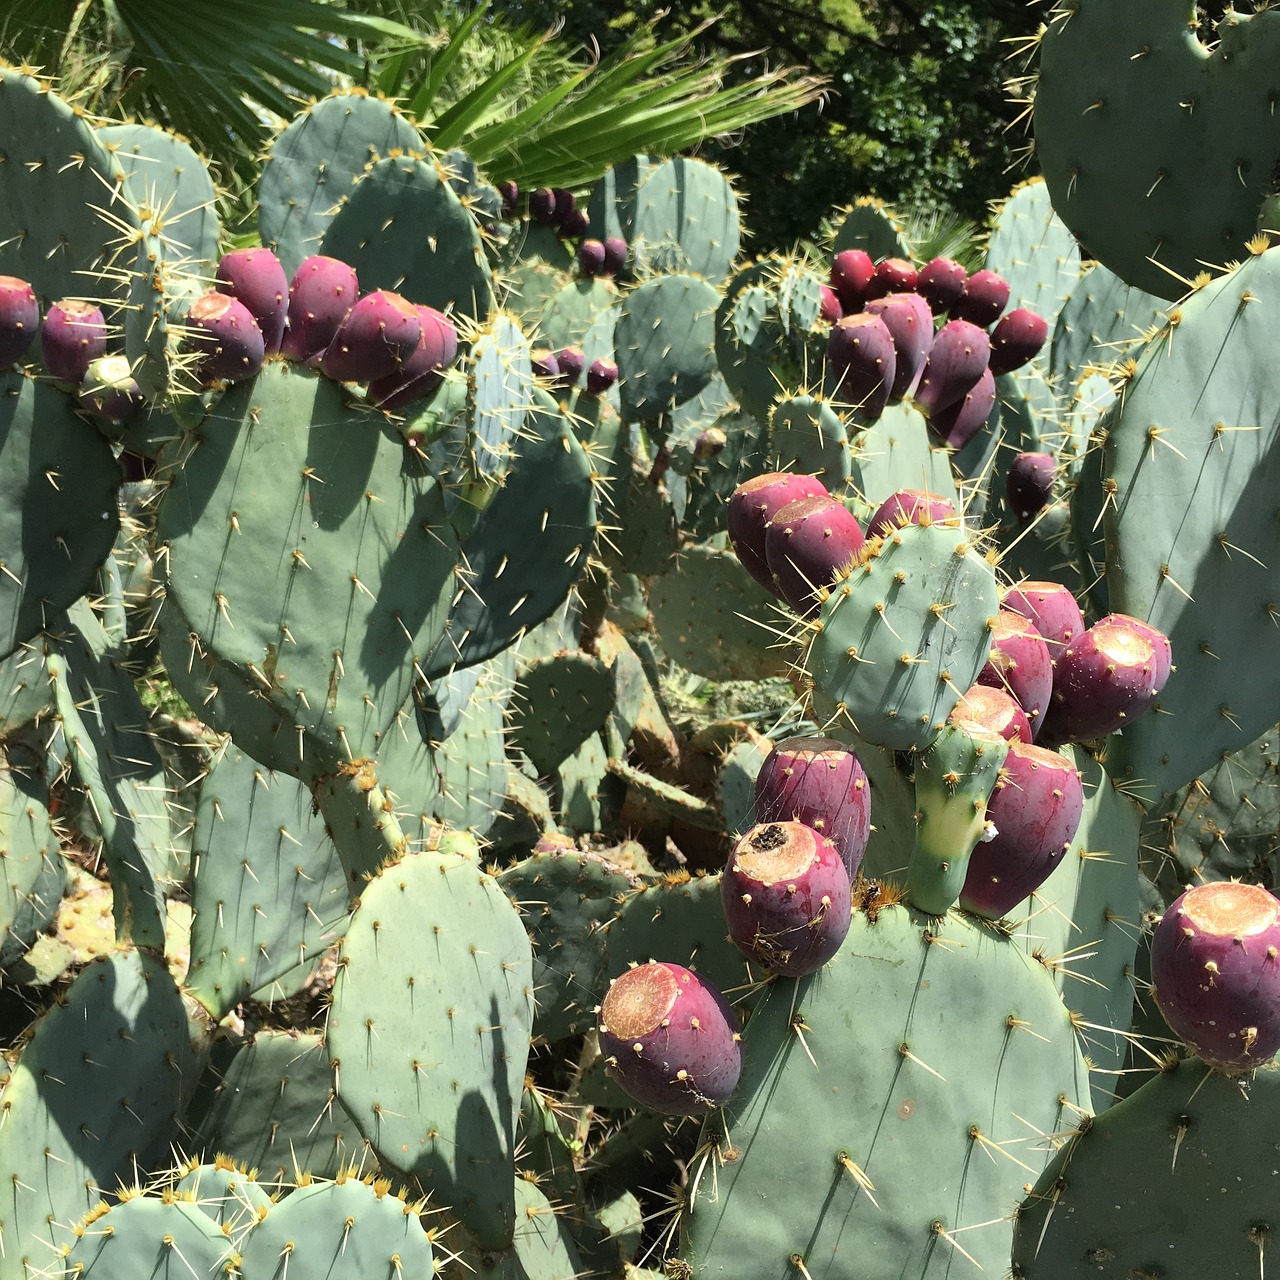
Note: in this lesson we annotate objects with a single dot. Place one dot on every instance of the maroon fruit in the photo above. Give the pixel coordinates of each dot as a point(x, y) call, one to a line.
point(1029, 483)
point(601, 375)
point(321, 293)
point(752, 505)
point(571, 362)
point(786, 898)
point(893, 275)
point(1035, 809)
point(993, 710)
point(574, 224)
point(19, 319)
point(670, 1039)
point(1020, 663)
point(544, 364)
point(808, 545)
point(862, 363)
point(1017, 339)
point(1215, 973)
point(422, 372)
point(984, 297)
point(256, 278)
point(958, 423)
point(957, 361)
point(831, 310)
point(542, 206)
point(591, 256)
point(1052, 608)
point(74, 334)
point(510, 193)
point(909, 506)
point(851, 272)
point(374, 339)
point(820, 782)
point(940, 283)
point(910, 324)
point(566, 203)
point(225, 339)
point(615, 255)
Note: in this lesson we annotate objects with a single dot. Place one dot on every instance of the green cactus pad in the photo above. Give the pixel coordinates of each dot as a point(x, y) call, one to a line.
point(665, 344)
point(99, 1086)
point(65, 218)
point(1132, 120)
point(287, 493)
point(566, 900)
point(314, 164)
point(807, 434)
point(499, 389)
point(1193, 546)
point(612, 207)
point(643, 527)
point(891, 1109)
point(58, 516)
point(31, 864)
point(713, 618)
point(559, 703)
point(24, 687)
point(269, 1104)
point(403, 229)
point(429, 1035)
point(896, 452)
point(267, 888)
point(168, 181)
point(871, 225)
point(229, 1193)
point(177, 1237)
point(578, 786)
point(1191, 1132)
point(905, 635)
point(686, 219)
point(568, 315)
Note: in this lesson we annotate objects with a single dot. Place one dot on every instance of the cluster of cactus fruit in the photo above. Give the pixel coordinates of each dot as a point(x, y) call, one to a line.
point(450, 518)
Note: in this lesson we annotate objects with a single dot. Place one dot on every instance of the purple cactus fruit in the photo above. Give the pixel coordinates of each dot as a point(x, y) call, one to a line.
point(73, 335)
point(1029, 483)
point(225, 337)
point(375, 339)
point(422, 372)
point(574, 224)
point(510, 193)
point(1052, 608)
point(820, 782)
point(566, 203)
point(571, 361)
point(1215, 973)
point(808, 545)
point(786, 898)
point(1017, 339)
point(601, 376)
point(752, 505)
point(321, 293)
point(19, 319)
point(544, 364)
point(1035, 809)
point(670, 1039)
point(615, 255)
point(957, 361)
point(831, 310)
point(910, 324)
point(984, 297)
point(1020, 664)
point(109, 392)
point(958, 423)
point(542, 206)
point(993, 710)
point(1105, 678)
point(909, 506)
point(257, 279)
point(851, 271)
point(893, 275)
point(862, 363)
point(940, 283)
point(591, 255)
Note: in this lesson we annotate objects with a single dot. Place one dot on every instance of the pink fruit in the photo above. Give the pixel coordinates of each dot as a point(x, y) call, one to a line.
point(909, 506)
point(808, 544)
point(322, 291)
point(256, 278)
point(752, 505)
point(1019, 663)
point(993, 710)
point(73, 336)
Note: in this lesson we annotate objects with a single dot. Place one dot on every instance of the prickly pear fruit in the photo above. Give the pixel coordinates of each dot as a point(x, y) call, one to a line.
point(542, 206)
point(544, 364)
point(421, 373)
point(73, 335)
point(910, 324)
point(909, 506)
point(958, 423)
point(510, 193)
point(1017, 339)
point(1106, 677)
point(940, 283)
point(225, 338)
point(786, 898)
point(851, 271)
point(591, 257)
point(820, 782)
point(19, 319)
point(1035, 809)
point(957, 361)
point(752, 505)
point(893, 275)
point(566, 203)
point(991, 709)
point(862, 362)
point(670, 1039)
point(1029, 483)
point(1052, 608)
point(601, 376)
point(831, 309)
point(574, 224)
point(321, 293)
point(984, 297)
point(1215, 973)
point(257, 279)
point(109, 391)
point(571, 362)
point(807, 545)
point(374, 339)
point(615, 255)
point(1020, 664)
